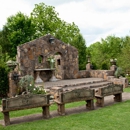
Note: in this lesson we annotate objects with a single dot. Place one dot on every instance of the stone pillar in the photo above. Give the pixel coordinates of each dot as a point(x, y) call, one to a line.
point(13, 85)
point(88, 66)
point(113, 67)
point(113, 64)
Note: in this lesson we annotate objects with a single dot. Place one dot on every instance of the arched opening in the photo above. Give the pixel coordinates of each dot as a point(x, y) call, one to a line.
point(59, 73)
point(58, 62)
point(40, 59)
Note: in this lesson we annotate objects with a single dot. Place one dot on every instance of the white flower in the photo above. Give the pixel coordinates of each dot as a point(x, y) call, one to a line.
point(52, 60)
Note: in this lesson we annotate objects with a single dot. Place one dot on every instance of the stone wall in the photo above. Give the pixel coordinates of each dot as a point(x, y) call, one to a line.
point(28, 55)
point(101, 73)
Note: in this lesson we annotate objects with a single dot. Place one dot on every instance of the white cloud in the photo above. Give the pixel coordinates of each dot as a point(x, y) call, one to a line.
point(98, 17)
point(11, 7)
point(95, 18)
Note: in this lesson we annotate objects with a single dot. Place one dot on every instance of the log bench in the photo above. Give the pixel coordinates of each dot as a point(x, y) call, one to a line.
point(27, 101)
point(81, 94)
point(115, 89)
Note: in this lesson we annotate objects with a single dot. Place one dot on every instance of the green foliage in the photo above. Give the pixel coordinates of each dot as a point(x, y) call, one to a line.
point(4, 85)
point(79, 43)
point(128, 77)
point(18, 30)
point(43, 20)
point(127, 89)
point(27, 83)
point(124, 59)
point(104, 66)
point(4, 42)
point(46, 21)
point(118, 72)
point(102, 52)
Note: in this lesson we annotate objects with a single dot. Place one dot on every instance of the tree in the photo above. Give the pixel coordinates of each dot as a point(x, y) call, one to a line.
point(95, 53)
point(79, 43)
point(124, 59)
point(46, 21)
point(4, 43)
point(102, 52)
point(4, 85)
point(43, 20)
point(18, 30)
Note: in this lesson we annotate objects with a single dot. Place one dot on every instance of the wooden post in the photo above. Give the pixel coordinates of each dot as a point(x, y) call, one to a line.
point(46, 111)
point(6, 118)
point(61, 109)
point(99, 101)
point(90, 104)
point(118, 97)
point(5, 114)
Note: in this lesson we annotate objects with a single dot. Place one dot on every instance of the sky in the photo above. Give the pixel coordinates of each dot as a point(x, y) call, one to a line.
point(96, 19)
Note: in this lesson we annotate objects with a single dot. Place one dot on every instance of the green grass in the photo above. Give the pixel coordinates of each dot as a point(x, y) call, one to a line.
point(39, 109)
point(114, 117)
point(127, 89)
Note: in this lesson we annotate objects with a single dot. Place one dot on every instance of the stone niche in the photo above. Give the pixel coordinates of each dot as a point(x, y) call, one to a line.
point(34, 55)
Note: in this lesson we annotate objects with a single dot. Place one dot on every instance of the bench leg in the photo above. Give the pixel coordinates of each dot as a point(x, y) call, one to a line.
point(99, 101)
point(46, 111)
point(90, 104)
point(118, 97)
point(6, 118)
point(61, 109)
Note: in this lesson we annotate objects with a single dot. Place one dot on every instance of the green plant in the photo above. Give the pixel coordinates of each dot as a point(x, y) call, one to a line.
point(4, 84)
point(51, 61)
point(118, 72)
point(128, 77)
point(27, 83)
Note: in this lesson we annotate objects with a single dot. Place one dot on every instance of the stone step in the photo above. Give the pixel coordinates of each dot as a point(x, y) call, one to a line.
point(90, 85)
point(73, 82)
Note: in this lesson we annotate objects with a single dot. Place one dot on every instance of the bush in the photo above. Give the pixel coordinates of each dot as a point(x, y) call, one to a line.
point(4, 84)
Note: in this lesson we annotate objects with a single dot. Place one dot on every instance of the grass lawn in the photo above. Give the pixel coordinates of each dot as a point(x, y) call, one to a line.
point(115, 117)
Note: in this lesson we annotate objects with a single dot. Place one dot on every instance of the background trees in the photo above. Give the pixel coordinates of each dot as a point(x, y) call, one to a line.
point(3, 74)
point(18, 30)
point(111, 47)
point(43, 20)
point(46, 21)
point(124, 58)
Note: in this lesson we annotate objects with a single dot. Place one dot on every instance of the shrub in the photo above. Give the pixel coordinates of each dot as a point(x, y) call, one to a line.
point(4, 84)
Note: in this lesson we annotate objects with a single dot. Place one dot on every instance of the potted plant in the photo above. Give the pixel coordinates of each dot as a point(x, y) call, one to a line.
point(52, 62)
point(31, 95)
point(27, 85)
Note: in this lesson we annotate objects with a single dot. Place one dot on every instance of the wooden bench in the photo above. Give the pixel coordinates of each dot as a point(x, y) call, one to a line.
point(25, 102)
point(115, 89)
point(81, 94)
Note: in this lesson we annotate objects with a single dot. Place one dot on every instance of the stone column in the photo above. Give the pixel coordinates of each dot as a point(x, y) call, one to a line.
point(88, 66)
point(13, 85)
